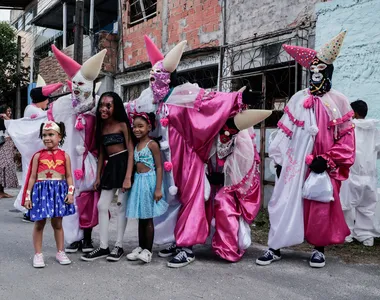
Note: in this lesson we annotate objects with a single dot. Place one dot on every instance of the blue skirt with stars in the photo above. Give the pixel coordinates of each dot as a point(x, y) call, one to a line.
point(48, 200)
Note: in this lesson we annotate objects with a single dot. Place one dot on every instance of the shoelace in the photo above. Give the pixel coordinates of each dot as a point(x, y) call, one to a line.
point(95, 251)
point(181, 255)
point(318, 255)
point(115, 250)
point(172, 246)
point(267, 253)
point(63, 255)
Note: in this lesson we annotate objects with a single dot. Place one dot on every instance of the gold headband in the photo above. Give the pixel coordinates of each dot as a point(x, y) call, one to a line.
point(50, 125)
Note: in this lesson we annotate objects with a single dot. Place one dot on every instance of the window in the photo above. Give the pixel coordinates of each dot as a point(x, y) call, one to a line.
point(132, 92)
point(141, 11)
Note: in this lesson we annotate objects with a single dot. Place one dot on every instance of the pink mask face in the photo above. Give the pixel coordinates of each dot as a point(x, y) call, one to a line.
point(159, 82)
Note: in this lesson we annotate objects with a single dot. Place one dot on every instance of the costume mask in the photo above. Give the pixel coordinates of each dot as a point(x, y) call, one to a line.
point(83, 78)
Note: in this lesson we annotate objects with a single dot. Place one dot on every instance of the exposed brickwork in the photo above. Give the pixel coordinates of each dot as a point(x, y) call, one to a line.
point(197, 21)
point(52, 72)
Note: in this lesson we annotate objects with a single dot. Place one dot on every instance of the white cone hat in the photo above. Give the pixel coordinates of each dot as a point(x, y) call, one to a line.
point(250, 117)
point(91, 68)
point(172, 59)
point(40, 81)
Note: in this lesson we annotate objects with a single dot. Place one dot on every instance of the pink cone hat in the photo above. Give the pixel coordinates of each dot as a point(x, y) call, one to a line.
point(70, 66)
point(50, 88)
point(304, 56)
point(154, 53)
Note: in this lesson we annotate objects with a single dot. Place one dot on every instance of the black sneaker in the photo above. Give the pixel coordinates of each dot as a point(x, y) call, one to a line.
point(317, 259)
point(169, 251)
point(97, 253)
point(87, 246)
point(26, 219)
point(116, 254)
point(73, 247)
point(182, 259)
point(268, 256)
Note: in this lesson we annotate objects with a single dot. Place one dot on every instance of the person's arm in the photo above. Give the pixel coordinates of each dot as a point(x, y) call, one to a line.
point(155, 149)
point(32, 181)
point(69, 179)
point(128, 175)
point(99, 167)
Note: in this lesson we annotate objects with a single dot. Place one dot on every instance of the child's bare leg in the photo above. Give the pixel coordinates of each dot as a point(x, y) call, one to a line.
point(56, 223)
point(38, 233)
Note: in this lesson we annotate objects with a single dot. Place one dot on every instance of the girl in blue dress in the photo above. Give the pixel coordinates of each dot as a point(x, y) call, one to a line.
point(146, 199)
point(48, 191)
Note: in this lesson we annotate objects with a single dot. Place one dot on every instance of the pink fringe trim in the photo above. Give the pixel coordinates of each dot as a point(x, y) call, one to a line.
point(285, 129)
point(343, 119)
point(345, 131)
point(296, 122)
point(244, 181)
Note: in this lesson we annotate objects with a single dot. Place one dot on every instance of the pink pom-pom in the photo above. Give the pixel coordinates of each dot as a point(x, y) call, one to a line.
point(168, 166)
point(78, 174)
point(33, 116)
point(164, 122)
point(79, 126)
point(221, 162)
point(309, 159)
point(309, 102)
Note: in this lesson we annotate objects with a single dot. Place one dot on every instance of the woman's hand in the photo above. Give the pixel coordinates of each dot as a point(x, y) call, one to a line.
point(97, 184)
point(157, 195)
point(69, 199)
point(126, 185)
point(28, 204)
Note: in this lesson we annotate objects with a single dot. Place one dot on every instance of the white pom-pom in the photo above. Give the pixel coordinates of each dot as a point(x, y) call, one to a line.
point(313, 130)
point(173, 190)
point(80, 149)
point(164, 145)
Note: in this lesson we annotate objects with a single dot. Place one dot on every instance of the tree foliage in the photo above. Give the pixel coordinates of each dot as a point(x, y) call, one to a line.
point(8, 62)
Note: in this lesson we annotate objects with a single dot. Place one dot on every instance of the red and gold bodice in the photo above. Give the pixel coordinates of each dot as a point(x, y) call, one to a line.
point(51, 166)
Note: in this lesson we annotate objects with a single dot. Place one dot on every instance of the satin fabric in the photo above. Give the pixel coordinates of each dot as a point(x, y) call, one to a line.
point(324, 222)
point(191, 136)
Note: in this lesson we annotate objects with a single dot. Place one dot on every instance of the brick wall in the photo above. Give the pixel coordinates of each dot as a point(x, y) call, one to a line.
point(197, 21)
point(52, 72)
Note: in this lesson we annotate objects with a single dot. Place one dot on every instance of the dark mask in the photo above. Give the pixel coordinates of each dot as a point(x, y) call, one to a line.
point(320, 77)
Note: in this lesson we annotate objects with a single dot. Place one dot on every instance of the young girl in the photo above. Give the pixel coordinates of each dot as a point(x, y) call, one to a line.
point(49, 190)
point(146, 199)
point(115, 145)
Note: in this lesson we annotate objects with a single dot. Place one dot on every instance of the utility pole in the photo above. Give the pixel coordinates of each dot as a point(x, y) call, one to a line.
point(78, 36)
point(18, 71)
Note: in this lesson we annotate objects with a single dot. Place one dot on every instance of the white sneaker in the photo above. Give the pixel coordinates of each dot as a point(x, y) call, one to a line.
point(349, 239)
point(135, 252)
point(145, 256)
point(38, 260)
point(62, 258)
point(368, 242)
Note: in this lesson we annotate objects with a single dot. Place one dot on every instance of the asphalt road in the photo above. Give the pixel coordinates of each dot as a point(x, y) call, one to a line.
point(206, 278)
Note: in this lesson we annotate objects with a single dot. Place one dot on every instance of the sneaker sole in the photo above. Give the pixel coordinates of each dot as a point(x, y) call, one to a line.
point(114, 258)
point(145, 261)
point(88, 250)
point(38, 266)
point(132, 258)
point(92, 259)
point(27, 221)
point(266, 263)
point(165, 255)
point(317, 265)
point(173, 265)
point(71, 250)
point(63, 262)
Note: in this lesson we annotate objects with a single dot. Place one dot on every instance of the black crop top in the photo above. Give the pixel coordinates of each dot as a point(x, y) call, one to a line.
point(113, 139)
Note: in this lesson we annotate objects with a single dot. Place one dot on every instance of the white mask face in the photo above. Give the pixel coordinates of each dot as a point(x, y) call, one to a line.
point(82, 93)
point(316, 70)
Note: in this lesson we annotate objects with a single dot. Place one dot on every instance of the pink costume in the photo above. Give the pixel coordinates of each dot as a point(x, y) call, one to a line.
point(313, 125)
point(190, 120)
point(238, 200)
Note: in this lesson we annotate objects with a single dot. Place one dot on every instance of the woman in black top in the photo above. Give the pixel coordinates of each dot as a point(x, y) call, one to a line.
point(114, 142)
